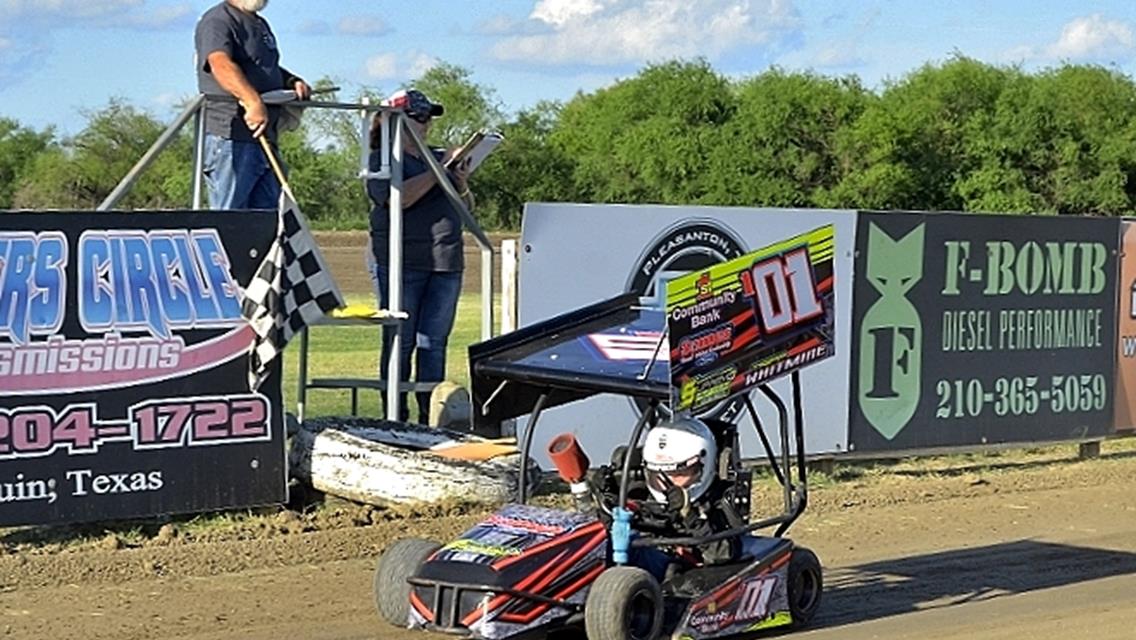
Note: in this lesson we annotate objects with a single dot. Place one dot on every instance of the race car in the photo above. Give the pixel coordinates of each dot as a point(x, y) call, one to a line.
point(661, 542)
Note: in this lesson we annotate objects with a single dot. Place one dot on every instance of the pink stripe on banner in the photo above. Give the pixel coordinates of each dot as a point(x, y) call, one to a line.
point(199, 357)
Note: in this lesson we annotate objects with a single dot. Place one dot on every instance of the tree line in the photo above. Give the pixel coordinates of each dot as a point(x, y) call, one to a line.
point(960, 135)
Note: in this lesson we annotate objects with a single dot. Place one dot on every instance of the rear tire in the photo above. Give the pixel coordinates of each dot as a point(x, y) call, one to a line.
point(806, 583)
point(400, 561)
point(624, 603)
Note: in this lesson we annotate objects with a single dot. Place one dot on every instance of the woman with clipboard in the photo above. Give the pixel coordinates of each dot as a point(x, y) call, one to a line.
point(431, 250)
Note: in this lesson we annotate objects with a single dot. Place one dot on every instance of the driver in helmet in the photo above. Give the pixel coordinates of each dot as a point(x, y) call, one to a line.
point(680, 460)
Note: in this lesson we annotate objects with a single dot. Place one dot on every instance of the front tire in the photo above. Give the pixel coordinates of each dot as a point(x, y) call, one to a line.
point(399, 562)
point(624, 603)
point(806, 583)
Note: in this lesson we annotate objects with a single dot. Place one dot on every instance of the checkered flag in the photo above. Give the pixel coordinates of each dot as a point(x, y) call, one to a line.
point(292, 289)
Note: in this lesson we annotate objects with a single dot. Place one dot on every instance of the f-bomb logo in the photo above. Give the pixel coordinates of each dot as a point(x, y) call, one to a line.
point(1049, 268)
point(891, 333)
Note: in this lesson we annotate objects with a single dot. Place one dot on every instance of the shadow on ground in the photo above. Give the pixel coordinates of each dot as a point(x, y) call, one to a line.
point(950, 578)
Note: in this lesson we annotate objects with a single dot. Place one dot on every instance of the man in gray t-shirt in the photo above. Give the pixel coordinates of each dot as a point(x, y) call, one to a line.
point(237, 57)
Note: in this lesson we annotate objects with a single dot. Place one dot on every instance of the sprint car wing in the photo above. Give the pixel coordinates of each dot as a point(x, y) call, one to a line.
point(614, 346)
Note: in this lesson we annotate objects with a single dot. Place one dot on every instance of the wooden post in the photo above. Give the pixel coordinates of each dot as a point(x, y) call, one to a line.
point(508, 286)
point(1089, 450)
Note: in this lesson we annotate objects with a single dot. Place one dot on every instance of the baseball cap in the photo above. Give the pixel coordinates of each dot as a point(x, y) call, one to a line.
point(415, 104)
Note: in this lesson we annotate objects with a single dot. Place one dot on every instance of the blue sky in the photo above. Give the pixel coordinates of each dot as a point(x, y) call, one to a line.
point(59, 57)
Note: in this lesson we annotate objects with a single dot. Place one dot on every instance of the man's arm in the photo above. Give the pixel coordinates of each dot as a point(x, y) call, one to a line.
point(233, 80)
point(297, 84)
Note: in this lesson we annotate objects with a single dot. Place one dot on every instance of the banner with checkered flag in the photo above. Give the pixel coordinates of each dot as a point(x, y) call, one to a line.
point(292, 289)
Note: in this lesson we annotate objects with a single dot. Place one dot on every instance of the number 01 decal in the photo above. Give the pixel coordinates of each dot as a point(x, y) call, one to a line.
point(754, 603)
point(782, 290)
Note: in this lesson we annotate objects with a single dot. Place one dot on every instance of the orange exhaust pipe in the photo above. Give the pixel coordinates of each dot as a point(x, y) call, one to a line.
point(571, 462)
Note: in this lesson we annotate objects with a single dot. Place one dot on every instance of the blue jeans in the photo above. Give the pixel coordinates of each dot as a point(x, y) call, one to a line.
point(431, 300)
point(238, 175)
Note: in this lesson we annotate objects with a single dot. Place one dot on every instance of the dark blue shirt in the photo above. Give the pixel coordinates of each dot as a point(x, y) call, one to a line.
point(249, 41)
point(431, 229)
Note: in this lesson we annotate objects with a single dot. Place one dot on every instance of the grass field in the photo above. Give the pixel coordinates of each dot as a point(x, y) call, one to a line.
point(353, 352)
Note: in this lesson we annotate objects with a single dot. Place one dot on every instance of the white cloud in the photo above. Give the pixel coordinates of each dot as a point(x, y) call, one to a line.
point(497, 25)
point(363, 26)
point(28, 28)
point(560, 12)
point(314, 28)
point(391, 66)
point(832, 48)
point(161, 18)
point(130, 14)
point(421, 63)
point(1087, 38)
point(838, 57)
point(382, 67)
point(65, 9)
point(611, 32)
point(168, 99)
point(1093, 36)
point(19, 57)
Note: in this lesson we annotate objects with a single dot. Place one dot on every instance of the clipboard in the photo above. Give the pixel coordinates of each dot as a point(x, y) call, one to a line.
point(476, 149)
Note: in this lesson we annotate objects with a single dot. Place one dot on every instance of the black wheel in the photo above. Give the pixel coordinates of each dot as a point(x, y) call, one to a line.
point(806, 583)
point(624, 603)
point(400, 561)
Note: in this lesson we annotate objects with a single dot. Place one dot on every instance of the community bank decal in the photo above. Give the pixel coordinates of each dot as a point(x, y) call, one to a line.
point(973, 329)
point(122, 367)
point(689, 245)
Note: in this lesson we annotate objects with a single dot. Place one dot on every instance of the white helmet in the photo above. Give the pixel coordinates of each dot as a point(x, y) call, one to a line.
point(681, 453)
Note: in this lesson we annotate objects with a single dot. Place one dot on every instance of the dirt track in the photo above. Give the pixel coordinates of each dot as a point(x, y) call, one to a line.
point(344, 251)
point(1027, 547)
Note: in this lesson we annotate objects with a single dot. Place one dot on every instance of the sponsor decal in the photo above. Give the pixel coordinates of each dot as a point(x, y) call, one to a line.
point(742, 322)
point(752, 605)
point(891, 334)
point(481, 548)
point(631, 346)
point(527, 526)
point(686, 246)
point(135, 291)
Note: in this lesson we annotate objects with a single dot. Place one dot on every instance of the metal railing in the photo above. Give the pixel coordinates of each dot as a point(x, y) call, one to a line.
point(393, 128)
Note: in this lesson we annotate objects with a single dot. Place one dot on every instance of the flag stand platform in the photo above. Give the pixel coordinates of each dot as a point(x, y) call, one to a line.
point(352, 384)
point(295, 303)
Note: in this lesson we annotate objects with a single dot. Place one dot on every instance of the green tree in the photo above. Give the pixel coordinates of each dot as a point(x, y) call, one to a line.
point(779, 149)
point(19, 148)
point(645, 139)
point(525, 168)
point(909, 147)
point(469, 106)
point(1061, 141)
point(81, 172)
point(324, 159)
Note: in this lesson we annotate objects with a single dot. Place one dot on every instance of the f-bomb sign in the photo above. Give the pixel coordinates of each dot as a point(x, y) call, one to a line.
point(123, 367)
point(977, 329)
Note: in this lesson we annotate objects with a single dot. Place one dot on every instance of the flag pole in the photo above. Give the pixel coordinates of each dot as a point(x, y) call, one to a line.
point(276, 166)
